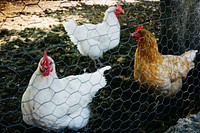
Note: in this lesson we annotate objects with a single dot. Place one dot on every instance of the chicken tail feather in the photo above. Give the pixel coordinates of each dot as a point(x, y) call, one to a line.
point(98, 80)
point(104, 69)
point(70, 27)
point(190, 55)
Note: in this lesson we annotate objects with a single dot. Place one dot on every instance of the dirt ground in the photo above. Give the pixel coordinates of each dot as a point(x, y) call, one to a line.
point(19, 14)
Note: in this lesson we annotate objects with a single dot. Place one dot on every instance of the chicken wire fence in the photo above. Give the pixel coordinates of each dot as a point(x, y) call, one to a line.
point(30, 27)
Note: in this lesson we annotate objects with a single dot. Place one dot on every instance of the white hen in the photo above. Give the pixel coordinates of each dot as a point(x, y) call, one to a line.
point(92, 40)
point(56, 103)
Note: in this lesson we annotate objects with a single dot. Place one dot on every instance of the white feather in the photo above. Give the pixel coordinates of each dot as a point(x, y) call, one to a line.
point(190, 55)
point(93, 40)
point(56, 103)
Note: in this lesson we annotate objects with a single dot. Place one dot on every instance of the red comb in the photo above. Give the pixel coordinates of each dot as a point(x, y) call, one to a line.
point(45, 58)
point(45, 54)
point(118, 6)
point(139, 28)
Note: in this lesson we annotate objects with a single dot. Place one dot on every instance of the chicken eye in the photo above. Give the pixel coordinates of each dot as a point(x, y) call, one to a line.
point(42, 63)
point(141, 35)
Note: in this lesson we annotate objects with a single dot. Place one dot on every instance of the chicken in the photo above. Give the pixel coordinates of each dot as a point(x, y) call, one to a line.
point(163, 74)
point(55, 103)
point(93, 40)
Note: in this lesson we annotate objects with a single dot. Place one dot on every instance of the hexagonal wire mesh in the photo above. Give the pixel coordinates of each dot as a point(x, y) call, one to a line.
point(28, 27)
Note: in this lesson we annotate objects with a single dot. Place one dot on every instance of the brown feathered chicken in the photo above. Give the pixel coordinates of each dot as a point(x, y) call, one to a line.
point(160, 73)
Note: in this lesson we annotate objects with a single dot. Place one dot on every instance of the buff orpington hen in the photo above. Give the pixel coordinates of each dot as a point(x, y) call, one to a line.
point(163, 74)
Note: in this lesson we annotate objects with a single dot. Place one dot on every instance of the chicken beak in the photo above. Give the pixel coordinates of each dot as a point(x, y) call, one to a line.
point(43, 68)
point(135, 34)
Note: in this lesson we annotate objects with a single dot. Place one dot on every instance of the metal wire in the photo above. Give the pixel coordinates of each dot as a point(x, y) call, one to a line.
point(30, 27)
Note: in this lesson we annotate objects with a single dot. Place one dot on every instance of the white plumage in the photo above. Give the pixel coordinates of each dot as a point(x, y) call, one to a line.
point(93, 40)
point(56, 103)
